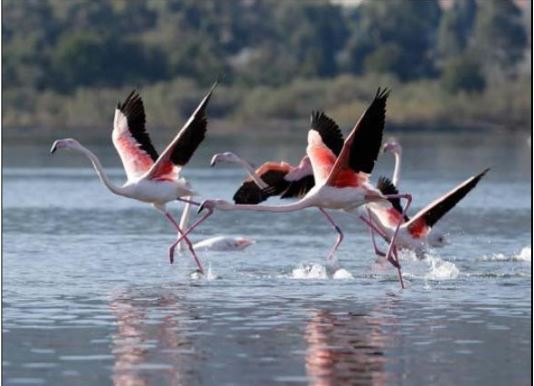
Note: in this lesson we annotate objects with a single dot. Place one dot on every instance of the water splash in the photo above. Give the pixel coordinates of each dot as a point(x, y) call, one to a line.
point(209, 275)
point(441, 269)
point(342, 274)
point(524, 255)
point(318, 271)
point(309, 271)
point(431, 268)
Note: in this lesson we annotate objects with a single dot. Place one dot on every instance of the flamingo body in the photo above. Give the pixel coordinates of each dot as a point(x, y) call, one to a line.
point(223, 243)
point(151, 178)
point(416, 233)
point(157, 192)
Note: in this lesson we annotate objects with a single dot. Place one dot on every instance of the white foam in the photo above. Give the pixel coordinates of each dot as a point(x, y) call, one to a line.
point(309, 271)
point(442, 270)
point(319, 272)
point(342, 274)
point(430, 268)
point(524, 255)
point(209, 275)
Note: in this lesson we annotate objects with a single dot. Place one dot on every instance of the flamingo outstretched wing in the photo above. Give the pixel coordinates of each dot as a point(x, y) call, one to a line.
point(289, 181)
point(183, 146)
point(387, 187)
point(325, 142)
point(281, 179)
point(131, 138)
point(362, 146)
point(422, 222)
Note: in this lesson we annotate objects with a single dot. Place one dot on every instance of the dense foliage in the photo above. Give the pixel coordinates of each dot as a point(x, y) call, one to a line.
point(58, 47)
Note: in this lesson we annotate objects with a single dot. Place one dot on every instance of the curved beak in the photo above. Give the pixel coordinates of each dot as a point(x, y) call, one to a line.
point(200, 208)
point(54, 147)
point(214, 160)
point(386, 147)
point(244, 243)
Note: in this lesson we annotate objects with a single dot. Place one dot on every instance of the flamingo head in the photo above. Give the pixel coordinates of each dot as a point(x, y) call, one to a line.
point(241, 243)
point(392, 146)
point(437, 239)
point(66, 143)
point(210, 205)
point(224, 157)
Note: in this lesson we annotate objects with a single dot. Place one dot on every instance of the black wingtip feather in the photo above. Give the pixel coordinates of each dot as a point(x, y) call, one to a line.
point(368, 138)
point(134, 111)
point(387, 187)
point(435, 213)
point(328, 130)
point(194, 134)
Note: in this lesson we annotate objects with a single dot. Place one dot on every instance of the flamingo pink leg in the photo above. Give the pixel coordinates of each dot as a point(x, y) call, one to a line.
point(189, 201)
point(197, 223)
point(338, 230)
point(373, 228)
point(372, 232)
point(408, 198)
point(188, 242)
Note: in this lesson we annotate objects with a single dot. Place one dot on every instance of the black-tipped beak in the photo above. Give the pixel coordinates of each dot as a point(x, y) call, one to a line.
point(213, 161)
point(53, 148)
point(200, 208)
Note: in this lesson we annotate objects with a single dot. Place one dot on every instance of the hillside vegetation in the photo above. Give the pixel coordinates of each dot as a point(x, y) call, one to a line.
point(67, 63)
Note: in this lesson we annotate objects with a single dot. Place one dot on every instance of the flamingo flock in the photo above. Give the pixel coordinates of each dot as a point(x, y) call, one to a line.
point(333, 174)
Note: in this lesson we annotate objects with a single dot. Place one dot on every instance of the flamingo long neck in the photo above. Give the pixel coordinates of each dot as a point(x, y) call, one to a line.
point(301, 204)
point(184, 220)
point(100, 172)
point(396, 171)
point(252, 173)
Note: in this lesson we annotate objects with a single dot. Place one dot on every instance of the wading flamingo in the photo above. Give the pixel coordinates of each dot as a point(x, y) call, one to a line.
point(341, 182)
point(394, 148)
point(152, 179)
point(416, 233)
point(216, 243)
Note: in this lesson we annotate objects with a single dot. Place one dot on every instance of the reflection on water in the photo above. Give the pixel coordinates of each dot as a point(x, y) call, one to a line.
point(138, 335)
point(90, 299)
point(346, 349)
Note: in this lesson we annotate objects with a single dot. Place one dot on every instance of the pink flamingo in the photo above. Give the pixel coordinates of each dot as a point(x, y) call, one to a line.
point(150, 178)
point(415, 233)
point(281, 178)
point(341, 182)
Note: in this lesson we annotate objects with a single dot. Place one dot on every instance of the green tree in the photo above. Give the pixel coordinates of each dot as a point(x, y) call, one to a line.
point(499, 36)
point(411, 26)
point(455, 28)
point(462, 74)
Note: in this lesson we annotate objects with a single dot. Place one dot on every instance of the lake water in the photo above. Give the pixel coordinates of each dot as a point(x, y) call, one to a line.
point(90, 298)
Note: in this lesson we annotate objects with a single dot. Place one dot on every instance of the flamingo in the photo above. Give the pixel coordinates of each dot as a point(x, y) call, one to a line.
point(415, 233)
point(216, 243)
point(272, 178)
point(150, 178)
point(396, 149)
point(341, 182)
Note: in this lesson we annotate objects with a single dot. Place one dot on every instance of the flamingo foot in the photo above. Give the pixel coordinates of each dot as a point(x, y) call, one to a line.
point(171, 252)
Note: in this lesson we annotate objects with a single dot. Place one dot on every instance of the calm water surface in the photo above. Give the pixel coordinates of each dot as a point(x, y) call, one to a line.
point(90, 298)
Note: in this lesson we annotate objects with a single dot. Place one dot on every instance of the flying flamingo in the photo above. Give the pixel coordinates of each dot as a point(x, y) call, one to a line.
point(216, 243)
point(341, 182)
point(272, 178)
point(283, 179)
point(414, 233)
point(152, 179)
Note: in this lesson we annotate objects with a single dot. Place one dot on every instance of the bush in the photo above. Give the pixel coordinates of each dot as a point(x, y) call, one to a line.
point(462, 74)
